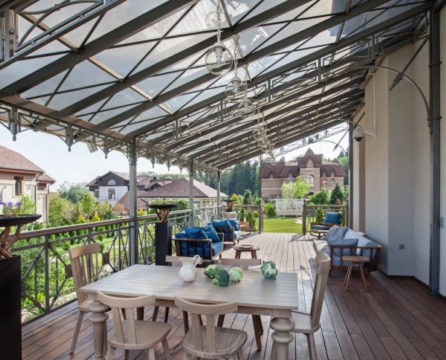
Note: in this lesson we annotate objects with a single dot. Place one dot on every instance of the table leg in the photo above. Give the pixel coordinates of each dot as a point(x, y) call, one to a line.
point(281, 337)
point(99, 319)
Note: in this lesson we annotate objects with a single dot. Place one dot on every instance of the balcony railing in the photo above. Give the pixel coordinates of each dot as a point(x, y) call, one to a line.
point(47, 281)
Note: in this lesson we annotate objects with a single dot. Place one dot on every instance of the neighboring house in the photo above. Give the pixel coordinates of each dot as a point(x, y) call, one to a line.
point(20, 176)
point(173, 190)
point(310, 167)
point(112, 186)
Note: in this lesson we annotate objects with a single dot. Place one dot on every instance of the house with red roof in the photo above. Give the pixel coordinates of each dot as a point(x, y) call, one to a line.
point(310, 167)
point(20, 176)
point(173, 189)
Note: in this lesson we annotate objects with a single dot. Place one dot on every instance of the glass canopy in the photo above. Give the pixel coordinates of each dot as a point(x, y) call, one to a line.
point(117, 74)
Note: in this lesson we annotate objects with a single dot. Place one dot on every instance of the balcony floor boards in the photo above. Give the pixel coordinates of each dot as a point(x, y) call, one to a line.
point(396, 319)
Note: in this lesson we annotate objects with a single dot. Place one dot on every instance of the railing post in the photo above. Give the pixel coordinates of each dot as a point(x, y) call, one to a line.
point(304, 217)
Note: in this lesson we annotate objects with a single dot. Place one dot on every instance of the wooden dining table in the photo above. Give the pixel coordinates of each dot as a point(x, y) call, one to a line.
point(253, 294)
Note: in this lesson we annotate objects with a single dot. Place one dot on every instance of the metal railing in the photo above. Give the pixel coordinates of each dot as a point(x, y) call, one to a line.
point(47, 282)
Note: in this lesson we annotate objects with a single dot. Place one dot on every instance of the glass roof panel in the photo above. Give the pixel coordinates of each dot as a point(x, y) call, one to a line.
point(127, 96)
point(177, 102)
point(153, 85)
point(122, 14)
point(106, 114)
point(60, 101)
point(123, 58)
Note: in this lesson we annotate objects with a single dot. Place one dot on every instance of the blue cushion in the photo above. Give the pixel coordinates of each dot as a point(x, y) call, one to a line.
point(319, 227)
point(346, 242)
point(195, 232)
point(188, 249)
point(181, 235)
point(211, 233)
point(225, 227)
point(335, 236)
point(233, 224)
point(333, 217)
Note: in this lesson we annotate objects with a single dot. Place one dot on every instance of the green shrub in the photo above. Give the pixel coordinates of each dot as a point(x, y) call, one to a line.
point(320, 215)
point(270, 210)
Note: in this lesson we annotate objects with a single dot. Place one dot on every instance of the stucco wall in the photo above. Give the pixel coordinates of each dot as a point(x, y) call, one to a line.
point(396, 166)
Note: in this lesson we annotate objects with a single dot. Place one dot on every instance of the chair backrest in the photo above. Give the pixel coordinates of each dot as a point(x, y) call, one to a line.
point(323, 268)
point(86, 264)
point(242, 263)
point(333, 218)
point(211, 312)
point(124, 311)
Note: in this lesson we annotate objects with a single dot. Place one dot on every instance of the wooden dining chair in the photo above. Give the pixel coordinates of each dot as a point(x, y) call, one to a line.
point(245, 264)
point(309, 323)
point(86, 264)
point(206, 340)
point(130, 333)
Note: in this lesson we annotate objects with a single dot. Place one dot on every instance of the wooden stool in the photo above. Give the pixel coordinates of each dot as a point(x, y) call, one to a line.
point(245, 247)
point(355, 260)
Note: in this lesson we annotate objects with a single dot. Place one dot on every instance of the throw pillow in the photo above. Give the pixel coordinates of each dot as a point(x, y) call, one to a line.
point(211, 233)
point(195, 233)
point(335, 235)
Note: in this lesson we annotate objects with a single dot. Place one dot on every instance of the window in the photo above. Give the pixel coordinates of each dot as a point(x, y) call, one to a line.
point(96, 193)
point(111, 182)
point(111, 194)
point(18, 185)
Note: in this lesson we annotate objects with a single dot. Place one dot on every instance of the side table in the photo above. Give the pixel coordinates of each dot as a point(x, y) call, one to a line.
point(245, 247)
point(357, 261)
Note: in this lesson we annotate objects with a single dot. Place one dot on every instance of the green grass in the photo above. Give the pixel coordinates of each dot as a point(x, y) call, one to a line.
point(281, 225)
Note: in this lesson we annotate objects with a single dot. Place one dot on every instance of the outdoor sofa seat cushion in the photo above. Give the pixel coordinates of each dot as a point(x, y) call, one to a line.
point(203, 241)
point(342, 241)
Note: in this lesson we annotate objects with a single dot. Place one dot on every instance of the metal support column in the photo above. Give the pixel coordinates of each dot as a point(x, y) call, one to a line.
point(218, 194)
point(435, 164)
point(191, 193)
point(133, 230)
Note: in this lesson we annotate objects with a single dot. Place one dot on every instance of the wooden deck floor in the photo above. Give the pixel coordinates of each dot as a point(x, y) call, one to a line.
point(396, 319)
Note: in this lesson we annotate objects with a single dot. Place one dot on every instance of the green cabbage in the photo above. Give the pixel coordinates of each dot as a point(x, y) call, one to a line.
point(236, 274)
point(269, 270)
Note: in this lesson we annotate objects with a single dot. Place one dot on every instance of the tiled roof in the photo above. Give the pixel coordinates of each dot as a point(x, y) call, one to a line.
point(179, 188)
point(45, 178)
point(173, 189)
point(12, 160)
point(282, 169)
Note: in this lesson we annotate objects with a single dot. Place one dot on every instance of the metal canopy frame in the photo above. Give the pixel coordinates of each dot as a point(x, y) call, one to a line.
point(121, 74)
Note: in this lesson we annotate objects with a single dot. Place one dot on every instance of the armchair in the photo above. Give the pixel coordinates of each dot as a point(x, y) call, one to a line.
point(331, 218)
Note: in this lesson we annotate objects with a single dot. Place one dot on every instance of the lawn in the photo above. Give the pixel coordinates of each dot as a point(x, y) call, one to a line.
point(281, 225)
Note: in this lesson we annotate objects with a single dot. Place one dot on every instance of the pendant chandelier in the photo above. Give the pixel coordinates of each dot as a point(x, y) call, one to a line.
point(218, 58)
point(236, 87)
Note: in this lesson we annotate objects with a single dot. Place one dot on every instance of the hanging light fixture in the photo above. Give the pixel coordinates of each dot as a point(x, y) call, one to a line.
point(218, 58)
point(236, 87)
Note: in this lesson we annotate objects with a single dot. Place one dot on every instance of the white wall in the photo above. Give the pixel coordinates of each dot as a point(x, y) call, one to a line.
point(443, 153)
point(396, 166)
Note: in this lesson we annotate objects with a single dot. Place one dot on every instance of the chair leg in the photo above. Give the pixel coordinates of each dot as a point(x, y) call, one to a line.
point(364, 281)
point(240, 354)
point(311, 346)
point(166, 349)
point(110, 353)
point(347, 276)
point(80, 316)
point(151, 353)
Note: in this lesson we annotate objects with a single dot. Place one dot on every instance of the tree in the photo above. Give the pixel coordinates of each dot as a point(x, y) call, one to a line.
point(320, 198)
point(336, 195)
point(105, 210)
point(27, 205)
point(60, 211)
point(73, 192)
point(88, 205)
point(288, 190)
point(247, 197)
point(301, 188)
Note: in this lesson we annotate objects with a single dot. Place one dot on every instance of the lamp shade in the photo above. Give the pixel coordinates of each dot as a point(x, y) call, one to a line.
point(219, 59)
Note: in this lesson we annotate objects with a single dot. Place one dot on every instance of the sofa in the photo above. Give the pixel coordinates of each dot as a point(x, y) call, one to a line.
point(342, 241)
point(199, 240)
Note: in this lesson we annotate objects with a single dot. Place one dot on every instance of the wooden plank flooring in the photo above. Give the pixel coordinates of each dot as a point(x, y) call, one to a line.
point(396, 319)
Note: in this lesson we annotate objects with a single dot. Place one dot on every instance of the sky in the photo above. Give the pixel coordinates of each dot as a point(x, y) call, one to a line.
point(80, 166)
